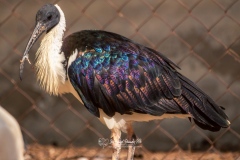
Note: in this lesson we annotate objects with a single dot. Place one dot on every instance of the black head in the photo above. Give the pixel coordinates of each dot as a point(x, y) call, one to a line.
point(48, 16)
point(46, 19)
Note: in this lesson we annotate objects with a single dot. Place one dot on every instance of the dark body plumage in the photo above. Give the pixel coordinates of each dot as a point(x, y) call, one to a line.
point(115, 74)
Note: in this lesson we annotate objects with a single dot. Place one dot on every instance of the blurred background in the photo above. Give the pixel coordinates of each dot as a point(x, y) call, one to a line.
point(201, 36)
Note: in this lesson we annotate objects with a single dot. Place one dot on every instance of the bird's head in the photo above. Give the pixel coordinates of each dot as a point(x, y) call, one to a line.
point(46, 18)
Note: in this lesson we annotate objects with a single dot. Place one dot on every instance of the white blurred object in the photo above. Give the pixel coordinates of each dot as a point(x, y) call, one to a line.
point(11, 140)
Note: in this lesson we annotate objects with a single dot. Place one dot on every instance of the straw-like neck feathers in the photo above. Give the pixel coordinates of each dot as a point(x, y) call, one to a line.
point(49, 59)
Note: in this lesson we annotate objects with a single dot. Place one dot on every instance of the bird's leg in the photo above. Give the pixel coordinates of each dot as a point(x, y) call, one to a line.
point(116, 136)
point(131, 138)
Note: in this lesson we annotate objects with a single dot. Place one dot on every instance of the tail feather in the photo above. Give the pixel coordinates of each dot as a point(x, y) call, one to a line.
point(205, 112)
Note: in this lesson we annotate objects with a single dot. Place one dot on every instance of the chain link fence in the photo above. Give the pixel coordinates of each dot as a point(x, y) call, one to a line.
point(201, 36)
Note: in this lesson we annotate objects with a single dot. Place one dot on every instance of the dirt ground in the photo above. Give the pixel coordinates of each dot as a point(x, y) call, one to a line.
point(40, 152)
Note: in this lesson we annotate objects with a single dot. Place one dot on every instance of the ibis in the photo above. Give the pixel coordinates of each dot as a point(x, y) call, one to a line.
point(118, 80)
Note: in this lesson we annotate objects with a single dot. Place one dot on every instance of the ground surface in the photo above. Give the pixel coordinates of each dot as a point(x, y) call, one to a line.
point(39, 152)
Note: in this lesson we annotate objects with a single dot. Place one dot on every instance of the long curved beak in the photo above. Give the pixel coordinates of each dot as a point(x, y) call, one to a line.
point(39, 29)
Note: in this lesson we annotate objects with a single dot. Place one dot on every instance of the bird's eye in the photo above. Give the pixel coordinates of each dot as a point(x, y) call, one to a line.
point(49, 17)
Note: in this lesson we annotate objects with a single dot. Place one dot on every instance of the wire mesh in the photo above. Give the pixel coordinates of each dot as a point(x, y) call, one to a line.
point(201, 36)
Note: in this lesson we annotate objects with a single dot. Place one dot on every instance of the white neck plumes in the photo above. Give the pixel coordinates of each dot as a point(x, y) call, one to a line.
point(50, 70)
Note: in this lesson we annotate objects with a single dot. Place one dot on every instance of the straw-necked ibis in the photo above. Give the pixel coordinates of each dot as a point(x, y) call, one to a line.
point(118, 81)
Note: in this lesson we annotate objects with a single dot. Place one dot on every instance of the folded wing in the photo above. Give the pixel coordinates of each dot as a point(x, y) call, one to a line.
point(117, 75)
